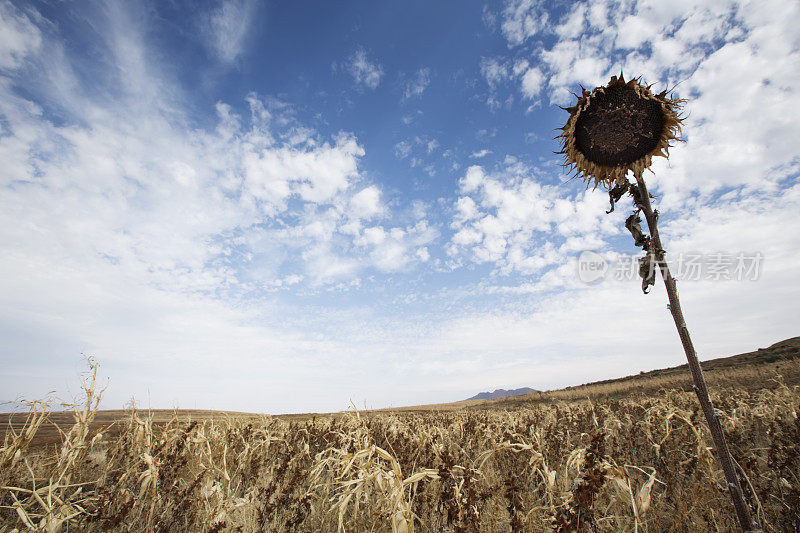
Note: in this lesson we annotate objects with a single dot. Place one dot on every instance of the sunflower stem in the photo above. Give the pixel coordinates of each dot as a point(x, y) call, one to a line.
point(642, 200)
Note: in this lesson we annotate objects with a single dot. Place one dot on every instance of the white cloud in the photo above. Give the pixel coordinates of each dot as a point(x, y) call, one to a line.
point(394, 249)
point(402, 149)
point(367, 202)
point(18, 36)
point(571, 63)
point(735, 63)
point(561, 322)
point(520, 67)
point(498, 73)
point(573, 24)
point(494, 71)
point(132, 236)
point(168, 204)
point(634, 31)
point(315, 173)
point(480, 154)
point(466, 209)
point(532, 82)
point(473, 179)
point(732, 187)
point(523, 19)
point(364, 71)
point(411, 117)
point(509, 219)
point(573, 336)
point(640, 37)
point(228, 28)
point(420, 150)
point(416, 86)
point(390, 256)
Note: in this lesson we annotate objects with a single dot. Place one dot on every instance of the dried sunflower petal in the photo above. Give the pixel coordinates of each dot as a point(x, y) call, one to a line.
point(618, 128)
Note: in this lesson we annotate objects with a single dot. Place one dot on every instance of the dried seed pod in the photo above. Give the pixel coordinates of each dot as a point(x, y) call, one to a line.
point(617, 128)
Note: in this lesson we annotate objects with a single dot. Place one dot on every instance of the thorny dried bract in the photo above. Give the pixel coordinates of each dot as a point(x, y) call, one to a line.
point(636, 463)
point(618, 128)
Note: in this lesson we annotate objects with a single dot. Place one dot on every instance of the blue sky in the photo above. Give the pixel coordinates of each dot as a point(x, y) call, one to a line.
point(283, 206)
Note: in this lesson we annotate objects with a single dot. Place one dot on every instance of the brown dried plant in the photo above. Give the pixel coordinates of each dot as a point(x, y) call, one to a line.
point(630, 462)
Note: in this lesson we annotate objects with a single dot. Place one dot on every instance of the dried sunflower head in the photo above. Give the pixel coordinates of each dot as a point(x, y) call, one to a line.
point(617, 128)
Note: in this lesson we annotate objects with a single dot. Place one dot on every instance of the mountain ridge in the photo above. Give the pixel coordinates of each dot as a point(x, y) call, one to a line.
point(502, 393)
point(780, 351)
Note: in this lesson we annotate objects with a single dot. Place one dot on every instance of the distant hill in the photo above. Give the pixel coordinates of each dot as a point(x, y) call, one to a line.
point(780, 351)
point(502, 393)
point(763, 358)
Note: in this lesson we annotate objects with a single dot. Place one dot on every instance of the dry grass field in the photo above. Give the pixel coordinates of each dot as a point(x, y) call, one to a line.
point(625, 455)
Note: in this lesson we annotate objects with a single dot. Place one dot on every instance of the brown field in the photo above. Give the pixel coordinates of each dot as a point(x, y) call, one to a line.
point(623, 455)
point(110, 421)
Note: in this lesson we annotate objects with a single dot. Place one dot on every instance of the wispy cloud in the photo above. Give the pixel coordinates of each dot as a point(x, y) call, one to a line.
point(365, 72)
point(18, 38)
point(417, 85)
point(228, 27)
point(402, 149)
point(411, 117)
point(494, 71)
point(134, 221)
point(500, 72)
